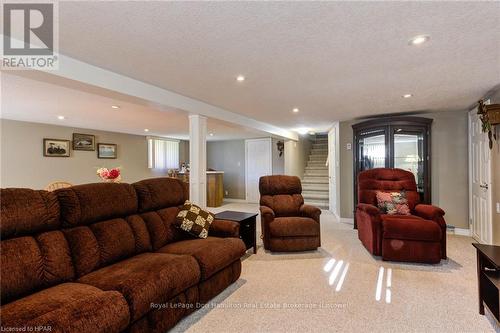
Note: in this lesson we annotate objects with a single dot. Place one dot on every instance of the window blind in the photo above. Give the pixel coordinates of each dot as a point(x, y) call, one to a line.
point(163, 153)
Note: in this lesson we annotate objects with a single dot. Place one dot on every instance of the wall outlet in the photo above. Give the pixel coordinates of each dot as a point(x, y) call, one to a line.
point(226, 192)
point(498, 207)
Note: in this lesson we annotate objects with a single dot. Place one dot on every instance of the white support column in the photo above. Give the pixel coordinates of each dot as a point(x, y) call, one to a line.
point(198, 160)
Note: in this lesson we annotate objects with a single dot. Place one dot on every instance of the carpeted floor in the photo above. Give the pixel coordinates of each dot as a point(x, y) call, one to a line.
point(335, 289)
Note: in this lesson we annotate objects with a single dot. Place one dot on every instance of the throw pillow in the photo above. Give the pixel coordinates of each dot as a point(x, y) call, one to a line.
point(393, 203)
point(194, 220)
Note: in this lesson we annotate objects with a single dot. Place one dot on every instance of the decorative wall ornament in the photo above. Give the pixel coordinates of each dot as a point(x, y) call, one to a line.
point(490, 117)
point(281, 147)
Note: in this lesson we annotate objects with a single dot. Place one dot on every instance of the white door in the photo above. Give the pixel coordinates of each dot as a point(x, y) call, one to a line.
point(479, 181)
point(258, 163)
point(332, 169)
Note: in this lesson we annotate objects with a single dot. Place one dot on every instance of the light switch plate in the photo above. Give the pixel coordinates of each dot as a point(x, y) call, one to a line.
point(498, 207)
point(348, 146)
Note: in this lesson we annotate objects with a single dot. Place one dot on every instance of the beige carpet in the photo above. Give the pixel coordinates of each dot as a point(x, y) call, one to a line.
point(315, 292)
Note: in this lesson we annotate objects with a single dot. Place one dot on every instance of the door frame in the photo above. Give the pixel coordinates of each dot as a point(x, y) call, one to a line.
point(334, 169)
point(489, 225)
point(270, 166)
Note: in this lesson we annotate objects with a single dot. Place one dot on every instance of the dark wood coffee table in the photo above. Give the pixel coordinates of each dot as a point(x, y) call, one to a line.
point(247, 221)
point(488, 276)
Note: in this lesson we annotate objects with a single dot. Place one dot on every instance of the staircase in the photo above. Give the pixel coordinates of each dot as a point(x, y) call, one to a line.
point(315, 180)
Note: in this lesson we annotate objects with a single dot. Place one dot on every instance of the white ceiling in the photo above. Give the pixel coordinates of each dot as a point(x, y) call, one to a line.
point(39, 97)
point(333, 60)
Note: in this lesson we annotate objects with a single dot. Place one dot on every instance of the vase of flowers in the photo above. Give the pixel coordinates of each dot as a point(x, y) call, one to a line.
point(109, 175)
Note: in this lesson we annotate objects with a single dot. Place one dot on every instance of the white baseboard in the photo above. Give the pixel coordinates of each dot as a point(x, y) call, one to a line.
point(460, 231)
point(235, 200)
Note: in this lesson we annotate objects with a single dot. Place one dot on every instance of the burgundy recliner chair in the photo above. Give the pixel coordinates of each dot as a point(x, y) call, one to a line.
point(287, 223)
point(419, 237)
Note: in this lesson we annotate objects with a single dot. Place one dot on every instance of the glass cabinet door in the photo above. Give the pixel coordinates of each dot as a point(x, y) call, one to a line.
point(409, 155)
point(372, 151)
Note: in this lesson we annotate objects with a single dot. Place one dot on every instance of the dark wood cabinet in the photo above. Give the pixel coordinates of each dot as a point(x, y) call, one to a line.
point(394, 142)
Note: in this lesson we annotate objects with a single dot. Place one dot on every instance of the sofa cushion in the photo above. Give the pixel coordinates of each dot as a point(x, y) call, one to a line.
point(162, 226)
point(68, 307)
point(26, 212)
point(89, 203)
point(293, 226)
point(107, 242)
point(146, 278)
point(194, 220)
point(158, 193)
point(211, 253)
point(32, 263)
point(410, 227)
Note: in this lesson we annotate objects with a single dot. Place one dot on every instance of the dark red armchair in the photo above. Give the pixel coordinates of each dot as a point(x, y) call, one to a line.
point(419, 237)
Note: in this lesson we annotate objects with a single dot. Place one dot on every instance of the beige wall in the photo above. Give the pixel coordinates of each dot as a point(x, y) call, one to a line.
point(23, 164)
point(296, 156)
point(449, 169)
point(229, 156)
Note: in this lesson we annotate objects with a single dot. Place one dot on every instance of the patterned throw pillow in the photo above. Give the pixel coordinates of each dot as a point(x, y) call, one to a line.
point(194, 220)
point(393, 203)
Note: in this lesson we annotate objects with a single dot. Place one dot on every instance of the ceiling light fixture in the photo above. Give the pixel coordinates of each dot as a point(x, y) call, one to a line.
point(240, 78)
point(417, 40)
point(146, 130)
point(115, 106)
point(312, 133)
point(302, 130)
point(61, 117)
point(407, 95)
point(295, 110)
point(211, 134)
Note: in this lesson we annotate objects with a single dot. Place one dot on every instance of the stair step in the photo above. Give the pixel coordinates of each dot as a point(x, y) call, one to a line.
point(319, 167)
point(316, 151)
point(320, 145)
point(317, 158)
point(314, 187)
point(316, 173)
point(315, 195)
point(318, 203)
point(316, 179)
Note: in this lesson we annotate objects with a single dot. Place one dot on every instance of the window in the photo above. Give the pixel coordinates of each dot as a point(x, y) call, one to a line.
point(163, 153)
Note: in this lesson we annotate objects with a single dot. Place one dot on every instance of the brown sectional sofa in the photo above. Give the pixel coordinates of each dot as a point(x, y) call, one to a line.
point(107, 258)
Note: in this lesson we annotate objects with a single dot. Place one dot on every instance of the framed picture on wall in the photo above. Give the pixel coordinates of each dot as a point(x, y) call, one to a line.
point(106, 150)
point(83, 142)
point(56, 148)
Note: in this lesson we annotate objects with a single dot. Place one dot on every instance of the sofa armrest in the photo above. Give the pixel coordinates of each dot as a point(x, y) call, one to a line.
point(430, 212)
point(267, 214)
point(310, 211)
point(224, 228)
point(369, 209)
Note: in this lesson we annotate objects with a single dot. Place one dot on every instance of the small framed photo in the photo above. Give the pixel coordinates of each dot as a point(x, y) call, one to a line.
point(56, 148)
point(106, 150)
point(83, 142)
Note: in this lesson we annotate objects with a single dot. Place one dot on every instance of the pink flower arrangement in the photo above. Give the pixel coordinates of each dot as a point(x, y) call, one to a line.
point(111, 175)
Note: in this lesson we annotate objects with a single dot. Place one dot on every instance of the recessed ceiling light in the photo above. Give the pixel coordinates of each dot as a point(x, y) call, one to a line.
point(146, 130)
point(61, 117)
point(240, 78)
point(211, 134)
point(407, 95)
point(295, 110)
point(302, 130)
point(115, 106)
point(417, 40)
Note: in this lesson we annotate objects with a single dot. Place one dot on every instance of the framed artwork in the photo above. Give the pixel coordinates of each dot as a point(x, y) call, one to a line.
point(106, 150)
point(83, 142)
point(56, 148)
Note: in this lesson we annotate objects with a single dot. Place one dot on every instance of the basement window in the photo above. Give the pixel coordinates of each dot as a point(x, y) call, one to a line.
point(163, 153)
